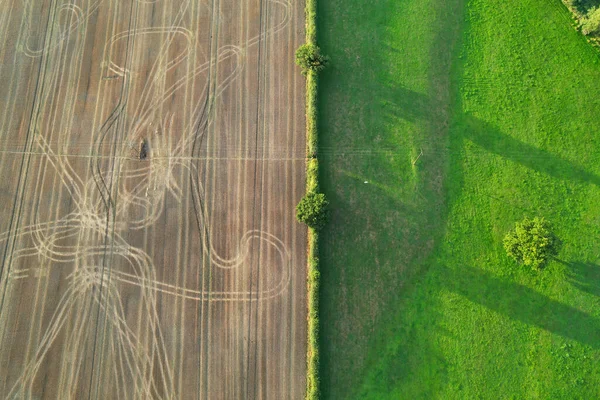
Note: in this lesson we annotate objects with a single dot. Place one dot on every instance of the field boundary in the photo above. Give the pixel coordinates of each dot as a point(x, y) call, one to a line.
point(312, 185)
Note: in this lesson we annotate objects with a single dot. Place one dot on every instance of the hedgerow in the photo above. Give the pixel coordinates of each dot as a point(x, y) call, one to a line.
point(312, 185)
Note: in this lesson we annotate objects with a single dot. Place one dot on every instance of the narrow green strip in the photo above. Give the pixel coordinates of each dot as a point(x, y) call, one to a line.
point(312, 184)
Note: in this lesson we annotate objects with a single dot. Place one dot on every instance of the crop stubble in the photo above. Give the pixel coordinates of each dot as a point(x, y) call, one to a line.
point(180, 275)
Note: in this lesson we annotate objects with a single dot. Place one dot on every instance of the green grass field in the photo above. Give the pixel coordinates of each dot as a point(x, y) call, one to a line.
point(418, 299)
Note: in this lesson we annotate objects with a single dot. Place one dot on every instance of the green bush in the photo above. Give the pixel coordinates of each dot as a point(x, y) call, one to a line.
point(312, 210)
point(532, 242)
point(590, 25)
point(309, 58)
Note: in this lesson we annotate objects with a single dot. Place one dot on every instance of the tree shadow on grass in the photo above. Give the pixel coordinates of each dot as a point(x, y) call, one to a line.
point(372, 250)
point(524, 304)
point(379, 233)
point(585, 276)
point(411, 363)
point(414, 106)
point(493, 140)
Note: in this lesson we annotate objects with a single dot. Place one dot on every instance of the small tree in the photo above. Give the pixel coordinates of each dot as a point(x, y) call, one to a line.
point(312, 210)
point(309, 58)
point(532, 242)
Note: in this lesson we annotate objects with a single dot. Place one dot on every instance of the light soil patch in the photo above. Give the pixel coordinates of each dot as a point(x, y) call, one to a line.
point(152, 153)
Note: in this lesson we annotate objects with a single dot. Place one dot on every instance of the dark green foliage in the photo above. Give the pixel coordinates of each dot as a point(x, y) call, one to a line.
point(312, 210)
point(309, 58)
point(532, 242)
point(582, 6)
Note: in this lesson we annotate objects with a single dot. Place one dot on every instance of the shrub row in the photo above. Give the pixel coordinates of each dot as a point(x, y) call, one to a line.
point(312, 185)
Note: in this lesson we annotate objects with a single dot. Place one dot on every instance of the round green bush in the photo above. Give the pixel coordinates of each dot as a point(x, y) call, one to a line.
point(532, 242)
point(309, 58)
point(312, 210)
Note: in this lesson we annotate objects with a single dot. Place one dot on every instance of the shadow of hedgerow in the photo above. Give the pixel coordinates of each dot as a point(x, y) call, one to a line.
point(524, 304)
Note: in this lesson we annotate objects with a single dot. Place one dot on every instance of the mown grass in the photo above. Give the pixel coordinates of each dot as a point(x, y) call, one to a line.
point(417, 296)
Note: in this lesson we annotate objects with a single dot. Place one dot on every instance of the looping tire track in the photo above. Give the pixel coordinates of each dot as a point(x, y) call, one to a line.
point(89, 239)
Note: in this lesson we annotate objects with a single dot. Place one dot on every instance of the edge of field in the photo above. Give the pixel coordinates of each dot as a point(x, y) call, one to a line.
point(312, 184)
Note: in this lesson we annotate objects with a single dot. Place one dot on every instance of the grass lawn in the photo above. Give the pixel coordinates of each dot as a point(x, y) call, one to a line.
point(418, 299)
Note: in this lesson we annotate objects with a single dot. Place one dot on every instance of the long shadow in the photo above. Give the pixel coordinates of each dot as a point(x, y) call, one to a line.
point(404, 351)
point(523, 304)
point(379, 234)
point(415, 106)
point(491, 139)
point(410, 357)
point(585, 276)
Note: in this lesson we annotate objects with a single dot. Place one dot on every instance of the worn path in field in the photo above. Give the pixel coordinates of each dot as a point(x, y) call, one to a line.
point(151, 154)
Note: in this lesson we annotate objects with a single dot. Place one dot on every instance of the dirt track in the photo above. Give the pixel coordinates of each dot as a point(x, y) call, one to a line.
point(178, 275)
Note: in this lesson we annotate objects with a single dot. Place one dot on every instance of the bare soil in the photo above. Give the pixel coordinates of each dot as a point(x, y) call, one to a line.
point(151, 154)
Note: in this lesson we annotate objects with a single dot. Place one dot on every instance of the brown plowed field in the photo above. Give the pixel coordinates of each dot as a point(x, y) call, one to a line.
point(151, 154)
